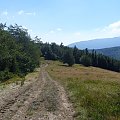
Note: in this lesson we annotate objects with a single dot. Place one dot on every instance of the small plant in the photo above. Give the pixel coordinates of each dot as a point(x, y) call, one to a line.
point(22, 81)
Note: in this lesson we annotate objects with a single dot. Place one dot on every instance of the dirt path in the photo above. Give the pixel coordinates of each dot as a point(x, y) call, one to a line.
point(41, 99)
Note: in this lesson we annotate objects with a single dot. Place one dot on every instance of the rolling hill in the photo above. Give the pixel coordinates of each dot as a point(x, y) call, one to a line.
point(97, 43)
point(111, 52)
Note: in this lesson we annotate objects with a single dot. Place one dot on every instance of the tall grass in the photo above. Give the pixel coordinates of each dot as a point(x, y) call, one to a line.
point(94, 92)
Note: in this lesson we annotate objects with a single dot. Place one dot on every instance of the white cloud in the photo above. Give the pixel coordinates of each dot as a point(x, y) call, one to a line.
point(52, 31)
point(59, 29)
point(77, 33)
point(112, 29)
point(22, 12)
point(13, 17)
point(5, 13)
point(115, 25)
point(31, 13)
point(109, 31)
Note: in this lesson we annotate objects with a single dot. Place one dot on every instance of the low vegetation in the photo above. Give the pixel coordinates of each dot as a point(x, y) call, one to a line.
point(17, 80)
point(94, 92)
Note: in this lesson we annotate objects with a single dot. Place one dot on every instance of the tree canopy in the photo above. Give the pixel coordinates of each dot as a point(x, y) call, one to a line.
point(18, 53)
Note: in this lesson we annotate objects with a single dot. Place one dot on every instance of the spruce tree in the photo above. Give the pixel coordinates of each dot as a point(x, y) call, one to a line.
point(69, 58)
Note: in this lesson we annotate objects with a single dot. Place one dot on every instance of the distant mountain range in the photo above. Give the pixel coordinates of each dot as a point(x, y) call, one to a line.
point(97, 43)
point(113, 52)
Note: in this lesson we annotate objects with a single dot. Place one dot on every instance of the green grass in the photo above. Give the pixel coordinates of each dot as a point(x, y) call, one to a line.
point(18, 80)
point(94, 92)
point(15, 79)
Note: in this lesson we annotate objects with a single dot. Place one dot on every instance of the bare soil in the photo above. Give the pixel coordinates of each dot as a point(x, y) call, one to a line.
point(41, 98)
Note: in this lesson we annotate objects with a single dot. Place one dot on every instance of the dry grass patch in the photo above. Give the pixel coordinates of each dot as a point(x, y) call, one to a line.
point(94, 92)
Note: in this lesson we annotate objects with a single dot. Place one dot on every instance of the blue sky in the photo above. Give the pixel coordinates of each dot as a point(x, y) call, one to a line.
point(64, 21)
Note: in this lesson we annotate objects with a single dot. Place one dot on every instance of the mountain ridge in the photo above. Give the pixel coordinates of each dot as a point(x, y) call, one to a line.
point(113, 52)
point(97, 43)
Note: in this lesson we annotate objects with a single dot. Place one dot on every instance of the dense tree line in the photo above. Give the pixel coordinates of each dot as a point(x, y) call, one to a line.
point(74, 55)
point(58, 52)
point(19, 54)
point(111, 52)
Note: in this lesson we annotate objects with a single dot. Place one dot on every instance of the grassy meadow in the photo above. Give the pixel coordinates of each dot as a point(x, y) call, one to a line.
point(94, 92)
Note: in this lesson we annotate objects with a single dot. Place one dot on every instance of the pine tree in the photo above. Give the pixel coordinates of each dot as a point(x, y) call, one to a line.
point(86, 60)
point(69, 58)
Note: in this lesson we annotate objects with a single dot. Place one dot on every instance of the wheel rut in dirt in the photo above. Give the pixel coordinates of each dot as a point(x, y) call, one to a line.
point(42, 99)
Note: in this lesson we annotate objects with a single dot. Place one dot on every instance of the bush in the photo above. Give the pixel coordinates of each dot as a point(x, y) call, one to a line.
point(5, 75)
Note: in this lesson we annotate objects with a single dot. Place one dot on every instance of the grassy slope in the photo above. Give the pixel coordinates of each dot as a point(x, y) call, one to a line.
point(94, 92)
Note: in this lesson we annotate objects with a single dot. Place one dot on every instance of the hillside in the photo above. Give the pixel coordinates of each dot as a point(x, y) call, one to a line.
point(111, 52)
point(97, 43)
